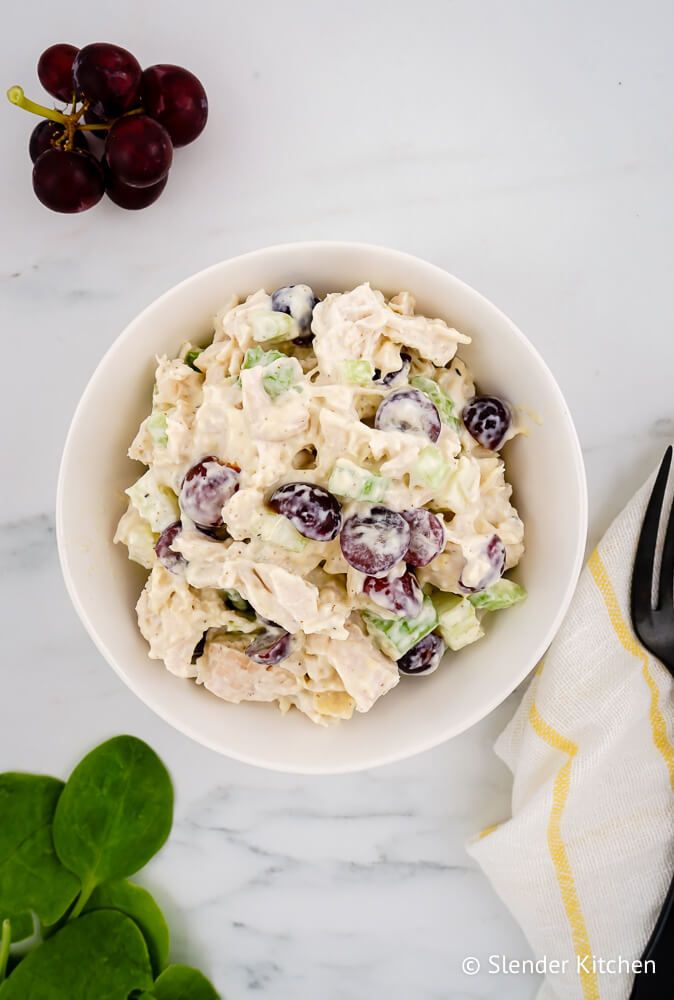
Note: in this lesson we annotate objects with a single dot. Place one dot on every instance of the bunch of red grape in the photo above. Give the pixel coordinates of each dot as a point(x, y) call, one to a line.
point(118, 132)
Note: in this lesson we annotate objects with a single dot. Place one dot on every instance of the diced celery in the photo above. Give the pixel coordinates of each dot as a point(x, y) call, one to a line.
point(258, 356)
point(156, 424)
point(158, 505)
point(463, 486)
point(357, 372)
point(191, 356)
point(502, 594)
point(430, 468)
point(281, 378)
point(395, 636)
point(279, 531)
point(458, 621)
point(271, 326)
point(440, 399)
point(349, 480)
point(238, 602)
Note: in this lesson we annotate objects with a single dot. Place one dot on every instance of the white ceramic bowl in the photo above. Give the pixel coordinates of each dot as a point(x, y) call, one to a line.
point(546, 469)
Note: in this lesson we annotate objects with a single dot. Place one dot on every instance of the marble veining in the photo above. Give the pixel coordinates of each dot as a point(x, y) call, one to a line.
point(522, 146)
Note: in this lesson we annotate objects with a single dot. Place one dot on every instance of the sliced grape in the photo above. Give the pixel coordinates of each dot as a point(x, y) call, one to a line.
point(173, 561)
point(485, 569)
point(108, 77)
point(47, 134)
point(138, 151)
point(423, 658)
point(55, 71)
point(297, 301)
point(270, 646)
point(402, 595)
point(177, 99)
point(375, 541)
point(206, 488)
point(487, 419)
point(67, 181)
point(311, 510)
point(408, 410)
point(397, 376)
point(427, 536)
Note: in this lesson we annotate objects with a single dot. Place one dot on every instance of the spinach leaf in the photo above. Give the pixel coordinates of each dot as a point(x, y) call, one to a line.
point(138, 904)
point(114, 813)
point(180, 982)
point(101, 956)
point(31, 875)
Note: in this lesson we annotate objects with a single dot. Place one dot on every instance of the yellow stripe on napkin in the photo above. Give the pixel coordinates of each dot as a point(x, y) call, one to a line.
point(630, 644)
point(559, 854)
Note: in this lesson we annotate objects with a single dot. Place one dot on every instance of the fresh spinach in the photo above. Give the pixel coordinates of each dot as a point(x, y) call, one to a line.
point(180, 982)
point(101, 956)
point(31, 875)
point(138, 904)
point(114, 813)
point(65, 852)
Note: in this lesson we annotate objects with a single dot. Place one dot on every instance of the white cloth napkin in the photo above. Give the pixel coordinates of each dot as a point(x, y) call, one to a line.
point(585, 861)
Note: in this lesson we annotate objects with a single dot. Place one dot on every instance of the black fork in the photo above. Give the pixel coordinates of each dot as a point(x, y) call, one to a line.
point(653, 622)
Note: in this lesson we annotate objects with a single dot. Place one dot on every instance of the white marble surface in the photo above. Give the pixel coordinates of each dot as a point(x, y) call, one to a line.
point(525, 146)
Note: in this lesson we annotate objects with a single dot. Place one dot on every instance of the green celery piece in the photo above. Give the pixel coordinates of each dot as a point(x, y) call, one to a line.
point(278, 382)
point(191, 357)
point(440, 399)
point(430, 468)
point(458, 622)
point(349, 480)
point(358, 372)
point(258, 356)
point(502, 594)
point(157, 426)
point(270, 327)
point(397, 635)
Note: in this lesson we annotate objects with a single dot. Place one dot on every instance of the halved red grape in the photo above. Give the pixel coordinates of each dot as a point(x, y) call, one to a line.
point(408, 410)
point(206, 488)
point(175, 561)
point(45, 135)
point(489, 566)
point(108, 77)
point(129, 197)
point(423, 658)
point(176, 98)
point(487, 419)
point(270, 646)
point(68, 181)
point(375, 541)
point(427, 536)
point(311, 510)
point(55, 71)
point(139, 151)
point(402, 595)
point(392, 377)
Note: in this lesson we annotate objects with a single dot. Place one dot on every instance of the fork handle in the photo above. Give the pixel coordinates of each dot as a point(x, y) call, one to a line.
point(660, 950)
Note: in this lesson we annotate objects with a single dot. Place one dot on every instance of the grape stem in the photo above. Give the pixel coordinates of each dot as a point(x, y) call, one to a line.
point(15, 95)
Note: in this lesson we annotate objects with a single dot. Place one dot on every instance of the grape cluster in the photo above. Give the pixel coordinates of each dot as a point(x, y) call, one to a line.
point(120, 128)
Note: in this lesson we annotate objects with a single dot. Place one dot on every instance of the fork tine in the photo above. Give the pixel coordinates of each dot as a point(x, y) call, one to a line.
point(644, 562)
point(666, 597)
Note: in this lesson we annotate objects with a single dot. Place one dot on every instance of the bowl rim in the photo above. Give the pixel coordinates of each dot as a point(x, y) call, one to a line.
point(173, 718)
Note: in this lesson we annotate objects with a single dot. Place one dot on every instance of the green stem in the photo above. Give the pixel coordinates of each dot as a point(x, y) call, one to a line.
point(93, 128)
point(5, 942)
point(88, 887)
point(15, 95)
